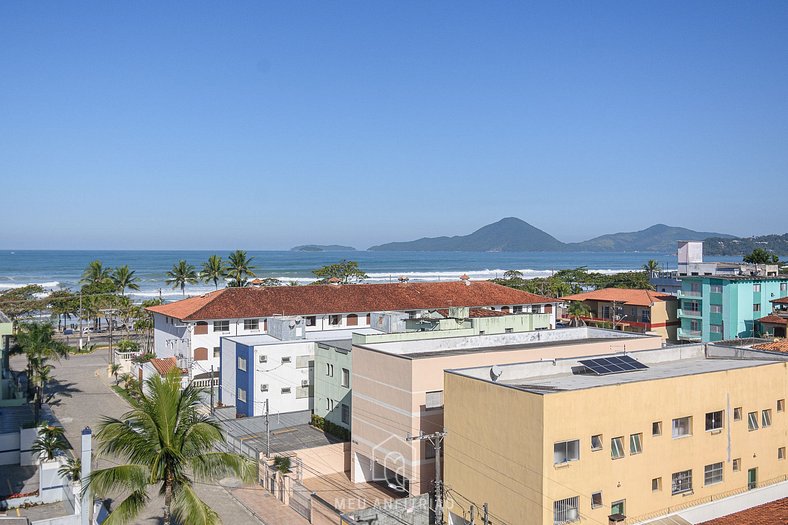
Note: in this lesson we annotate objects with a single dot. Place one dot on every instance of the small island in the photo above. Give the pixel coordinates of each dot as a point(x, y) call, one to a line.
point(322, 248)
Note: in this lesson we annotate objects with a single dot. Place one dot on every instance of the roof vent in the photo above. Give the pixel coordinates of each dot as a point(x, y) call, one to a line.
point(464, 278)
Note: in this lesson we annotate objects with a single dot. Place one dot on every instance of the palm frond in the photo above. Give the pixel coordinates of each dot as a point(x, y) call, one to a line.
point(216, 465)
point(128, 509)
point(122, 478)
point(189, 508)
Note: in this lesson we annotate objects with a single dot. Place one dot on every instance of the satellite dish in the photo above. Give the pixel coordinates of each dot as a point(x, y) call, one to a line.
point(495, 372)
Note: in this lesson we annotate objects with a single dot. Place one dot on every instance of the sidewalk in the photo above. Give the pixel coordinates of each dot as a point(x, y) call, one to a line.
point(265, 507)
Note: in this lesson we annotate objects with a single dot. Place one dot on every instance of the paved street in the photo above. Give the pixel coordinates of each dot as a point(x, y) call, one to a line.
point(81, 395)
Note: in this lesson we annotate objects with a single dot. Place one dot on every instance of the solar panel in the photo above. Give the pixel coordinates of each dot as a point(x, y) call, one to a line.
point(612, 365)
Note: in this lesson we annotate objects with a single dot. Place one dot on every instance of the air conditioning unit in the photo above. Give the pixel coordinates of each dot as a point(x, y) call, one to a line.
point(263, 358)
point(263, 388)
point(305, 382)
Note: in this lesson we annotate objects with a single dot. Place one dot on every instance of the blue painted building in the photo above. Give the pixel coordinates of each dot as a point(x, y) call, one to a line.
point(719, 307)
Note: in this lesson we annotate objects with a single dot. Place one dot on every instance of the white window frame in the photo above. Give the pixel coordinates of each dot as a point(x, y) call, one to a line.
point(599, 502)
point(635, 444)
point(241, 363)
point(617, 447)
point(566, 510)
point(712, 474)
point(566, 451)
point(681, 482)
point(677, 426)
point(345, 379)
point(599, 442)
point(251, 324)
point(752, 421)
point(766, 418)
point(241, 395)
point(717, 420)
point(218, 326)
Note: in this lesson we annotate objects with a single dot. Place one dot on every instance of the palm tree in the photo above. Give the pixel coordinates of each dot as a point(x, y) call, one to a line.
point(42, 374)
point(72, 469)
point(167, 441)
point(125, 278)
point(114, 369)
point(50, 440)
point(213, 270)
point(181, 275)
point(651, 267)
point(37, 342)
point(95, 273)
point(577, 311)
point(240, 268)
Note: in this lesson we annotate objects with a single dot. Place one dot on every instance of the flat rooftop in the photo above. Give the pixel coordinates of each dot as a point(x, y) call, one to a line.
point(506, 342)
point(317, 335)
point(562, 375)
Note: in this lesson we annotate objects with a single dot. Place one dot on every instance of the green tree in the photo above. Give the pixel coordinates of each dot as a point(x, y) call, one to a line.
point(37, 342)
point(72, 469)
point(124, 278)
point(49, 442)
point(181, 275)
point(19, 303)
point(165, 440)
point(239, 268)
point(513, 275)
point(115, 369)
point(651, 267)
point(95, 273)
point(578, 310)
point(345, 271)
point(213, 270)
point(64, 304)
point(761, 256)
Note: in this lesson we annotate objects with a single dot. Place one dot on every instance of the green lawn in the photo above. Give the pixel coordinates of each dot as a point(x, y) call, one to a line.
point(122, 393)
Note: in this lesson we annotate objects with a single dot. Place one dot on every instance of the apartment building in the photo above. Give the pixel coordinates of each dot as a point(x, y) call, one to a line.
point(397, 389)
point(723, 307)
point(613, 439)
point(691, 263)
point(190, 329)
point(631, 310)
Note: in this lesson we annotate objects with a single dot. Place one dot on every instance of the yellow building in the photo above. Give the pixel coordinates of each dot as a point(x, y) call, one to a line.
point(554, 442)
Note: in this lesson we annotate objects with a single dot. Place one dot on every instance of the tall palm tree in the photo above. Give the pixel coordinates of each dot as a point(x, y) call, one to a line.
point(37, 342)
point(240, 268)
point(125, 278)
point(577, 311)
point(165, 440)
point(95, 273)
point(115, 369)
point(50, 440)
point(651, 267)
point(213, 270)
point(181, 274)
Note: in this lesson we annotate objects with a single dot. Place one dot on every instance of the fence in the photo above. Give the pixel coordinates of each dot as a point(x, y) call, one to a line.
point(300, 499)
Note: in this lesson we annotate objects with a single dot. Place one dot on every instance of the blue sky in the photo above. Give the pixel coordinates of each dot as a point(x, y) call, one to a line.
point(257, 125)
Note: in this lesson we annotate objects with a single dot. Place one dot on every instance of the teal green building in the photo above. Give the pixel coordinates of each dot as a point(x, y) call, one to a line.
point(718, 307)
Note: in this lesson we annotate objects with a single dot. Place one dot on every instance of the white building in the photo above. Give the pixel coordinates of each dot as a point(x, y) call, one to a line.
point(191, 329)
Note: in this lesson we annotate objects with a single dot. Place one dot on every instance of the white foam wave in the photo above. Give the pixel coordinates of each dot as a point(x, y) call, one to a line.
point(48, 285)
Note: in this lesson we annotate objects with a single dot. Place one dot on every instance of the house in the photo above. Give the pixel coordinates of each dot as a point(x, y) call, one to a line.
point(775, 323)
point(617, 438)
point(190, 329)
point(161, 367)
point(723, 307)
point(631, 310)
point(397, 389)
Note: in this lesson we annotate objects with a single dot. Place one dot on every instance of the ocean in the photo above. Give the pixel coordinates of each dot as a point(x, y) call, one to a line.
point(62, 269)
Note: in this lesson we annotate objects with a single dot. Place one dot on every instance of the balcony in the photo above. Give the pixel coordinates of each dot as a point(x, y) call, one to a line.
point(689, 335)
point(689, 294)
point(695, 314)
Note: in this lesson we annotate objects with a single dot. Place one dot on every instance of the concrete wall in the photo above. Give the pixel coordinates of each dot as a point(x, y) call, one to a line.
point(325, 460)
point(9, 448)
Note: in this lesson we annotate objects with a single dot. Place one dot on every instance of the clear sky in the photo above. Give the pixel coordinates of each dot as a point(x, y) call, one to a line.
point(262, 125)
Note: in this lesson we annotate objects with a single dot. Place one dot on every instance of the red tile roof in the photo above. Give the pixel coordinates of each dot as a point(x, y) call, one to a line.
point(623, 296)
point(772, 513)
point(781, 300)
point(163, 366)
point(773, 319)
point(780, 345)
point(240, 303)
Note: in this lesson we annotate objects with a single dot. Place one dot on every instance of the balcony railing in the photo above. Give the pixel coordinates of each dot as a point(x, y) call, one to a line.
point(689, 334)
point(689, 294)
point(683, 312)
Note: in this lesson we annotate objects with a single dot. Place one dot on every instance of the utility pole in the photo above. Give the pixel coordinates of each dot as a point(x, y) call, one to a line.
point(211, 385)
point(267, 433)
point(485, 516)
point(436, 438)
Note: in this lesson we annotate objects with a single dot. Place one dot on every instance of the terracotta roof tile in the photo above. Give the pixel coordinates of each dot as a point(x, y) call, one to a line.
point(163, 366)
point(266, 301)
point(772, 513)
point(623, 296)
point(773, 319)
point(775, 346)
point(781, 300)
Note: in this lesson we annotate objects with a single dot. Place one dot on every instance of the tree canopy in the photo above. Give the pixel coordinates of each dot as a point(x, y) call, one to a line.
point(761, 256)
point(345, 271)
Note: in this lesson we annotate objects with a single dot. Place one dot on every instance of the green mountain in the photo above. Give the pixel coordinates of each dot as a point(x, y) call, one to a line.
point(507, 235)
point(515, 235)
point(322, 248)
point(657, 238)
point(742, 246)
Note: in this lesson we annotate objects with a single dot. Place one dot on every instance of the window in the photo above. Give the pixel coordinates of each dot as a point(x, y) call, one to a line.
point(434, 400)
point(518, 309)
point(242, 395)
point(656, 428)
point(756, 288)
point(221, 326)
point(242, 363)
point(352, 320)
point(712, 474)
point(766, 418)
point(682, 427)
point(716, 309)
point(656, 484)
point(783, 287)
point(566, 451)
point(565, 511)
point(251, 324)
point(681, 482)
point(345, 414)
point(329, 370)
point(714, 421)
point(334, 320)
point(286, 359)
point(737, 464)
point(217, 352)
point(617, 447)
point(694, 325)
point(752, 421)
point(737, 414)
point(596, 442)
point(596, 500)
point(286, 390)
point(635, 444)
point(781, 453)
point(715, 328)
point(756, 307)
point(780, 405)
point(716, 288)
point(311, 320)
point(345, 378)
point(618, 507)
point(508, 330)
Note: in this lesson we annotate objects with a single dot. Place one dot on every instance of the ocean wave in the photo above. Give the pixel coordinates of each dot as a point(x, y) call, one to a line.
point(48, 285)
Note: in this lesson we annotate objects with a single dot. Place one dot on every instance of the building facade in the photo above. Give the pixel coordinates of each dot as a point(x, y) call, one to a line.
point(553, 443)
point(719, 307)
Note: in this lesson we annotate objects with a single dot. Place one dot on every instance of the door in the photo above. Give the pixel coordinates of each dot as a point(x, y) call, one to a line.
point(752, 478)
